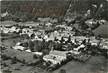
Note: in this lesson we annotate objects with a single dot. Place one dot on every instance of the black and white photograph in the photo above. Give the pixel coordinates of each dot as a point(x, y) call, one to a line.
point(53, 36)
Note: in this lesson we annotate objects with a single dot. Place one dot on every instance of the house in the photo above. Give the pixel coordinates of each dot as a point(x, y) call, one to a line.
point(105, 45)
point(12, 29)
point(74, 52)
point(28, 50)
point(19, 47)
point(4, 14)
point(38, 53)
point(48, 24)
point(94, 42)
point(79, 47)
point(5, 30)
point(55, 57)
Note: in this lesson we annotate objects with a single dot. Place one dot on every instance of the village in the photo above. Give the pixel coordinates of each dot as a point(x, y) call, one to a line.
point(49, 47)
point(68, 36)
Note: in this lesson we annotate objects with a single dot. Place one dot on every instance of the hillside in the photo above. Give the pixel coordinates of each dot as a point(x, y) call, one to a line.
point(29, 9)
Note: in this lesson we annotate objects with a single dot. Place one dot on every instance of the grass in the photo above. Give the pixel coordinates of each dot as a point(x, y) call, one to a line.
point(94, 65)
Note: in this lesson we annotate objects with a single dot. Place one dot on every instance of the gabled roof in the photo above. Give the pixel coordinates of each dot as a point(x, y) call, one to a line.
point(59, 53)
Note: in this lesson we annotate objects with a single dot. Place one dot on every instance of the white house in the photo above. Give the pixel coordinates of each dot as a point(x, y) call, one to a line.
point(12, 29)
point(5, 30)
point(38, 53)
point(74, 52)
point(4, 14)
point(19, 47)
point(55, 57)
point(79, 47)
point(28, 50)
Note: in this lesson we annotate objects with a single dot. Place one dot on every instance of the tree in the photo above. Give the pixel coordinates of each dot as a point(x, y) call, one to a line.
point(7, 71)
point(98, 8)
point(62, 71)
point(32, 36)
point(55, 39)
point(25, 36)
point(69, 39)
point(31, 45)
point(14, 60)
point(62, 40)
point(35, 56)
point(84, 41)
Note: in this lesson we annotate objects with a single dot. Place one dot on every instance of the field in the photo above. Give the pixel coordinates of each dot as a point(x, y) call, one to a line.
point(103, 30)
point(96, 64)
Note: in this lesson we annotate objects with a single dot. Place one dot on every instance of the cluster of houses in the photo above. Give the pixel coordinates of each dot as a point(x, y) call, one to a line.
point(62, 36)
point(64, 31)
point(19, 47)
point(8, 29)
point(57, 56)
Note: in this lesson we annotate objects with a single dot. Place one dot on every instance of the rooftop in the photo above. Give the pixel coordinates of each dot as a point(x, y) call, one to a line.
point(59, 53)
